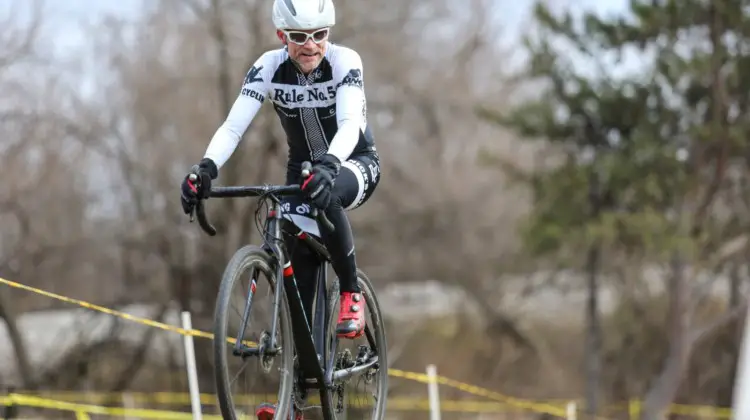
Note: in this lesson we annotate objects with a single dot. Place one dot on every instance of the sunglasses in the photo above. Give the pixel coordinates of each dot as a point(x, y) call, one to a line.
point(300, 38)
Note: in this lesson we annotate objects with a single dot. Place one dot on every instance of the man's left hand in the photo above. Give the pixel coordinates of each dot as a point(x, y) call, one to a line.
point(319, 184)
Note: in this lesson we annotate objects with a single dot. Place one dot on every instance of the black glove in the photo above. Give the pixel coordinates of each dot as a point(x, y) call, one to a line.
point(192, 191)
point(319, 184)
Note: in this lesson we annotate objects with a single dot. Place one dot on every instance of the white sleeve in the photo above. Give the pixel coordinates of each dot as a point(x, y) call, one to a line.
point(350, 104)
point(245, 107)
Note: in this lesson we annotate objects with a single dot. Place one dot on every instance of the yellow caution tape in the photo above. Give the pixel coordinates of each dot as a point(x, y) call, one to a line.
point(701, 411)
point(419, 377)
point(395, 403)
point(82, 415)
point(483, 392)
point(119, 314)
point(84, 409)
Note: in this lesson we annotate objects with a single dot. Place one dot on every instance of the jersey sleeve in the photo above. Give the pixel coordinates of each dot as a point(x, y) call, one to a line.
point(351, 106)
point(251, 97)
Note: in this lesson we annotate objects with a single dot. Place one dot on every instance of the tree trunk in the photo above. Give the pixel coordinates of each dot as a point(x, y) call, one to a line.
point(593, 324)
point(729, 342)
point(139, 357)
point(217, 28)
point(663, 391)
point(19, 347)
point(593, 334)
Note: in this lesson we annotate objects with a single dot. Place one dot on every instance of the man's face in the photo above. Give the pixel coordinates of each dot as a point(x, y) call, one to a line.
point(312, 49)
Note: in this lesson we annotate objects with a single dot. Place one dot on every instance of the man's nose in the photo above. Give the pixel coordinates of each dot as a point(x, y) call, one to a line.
point(310, 43)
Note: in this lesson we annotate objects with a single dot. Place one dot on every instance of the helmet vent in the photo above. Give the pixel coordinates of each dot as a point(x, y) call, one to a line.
point(290, 6)
point(321, 5)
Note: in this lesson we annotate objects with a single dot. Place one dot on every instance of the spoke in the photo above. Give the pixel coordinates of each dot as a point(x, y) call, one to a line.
point(244, 365)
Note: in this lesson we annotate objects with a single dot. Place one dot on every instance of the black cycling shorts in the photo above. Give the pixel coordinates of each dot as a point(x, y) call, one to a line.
point(357, 180)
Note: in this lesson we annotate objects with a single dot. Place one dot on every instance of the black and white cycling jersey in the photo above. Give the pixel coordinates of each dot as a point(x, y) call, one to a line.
point(323, 112)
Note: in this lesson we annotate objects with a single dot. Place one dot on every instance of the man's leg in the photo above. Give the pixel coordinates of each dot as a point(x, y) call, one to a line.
point(354, 185)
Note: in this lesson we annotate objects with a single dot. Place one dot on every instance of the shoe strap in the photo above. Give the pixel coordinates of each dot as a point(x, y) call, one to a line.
point(351, 303)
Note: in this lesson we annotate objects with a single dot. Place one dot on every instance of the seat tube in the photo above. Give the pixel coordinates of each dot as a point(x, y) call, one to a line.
point(321, 313)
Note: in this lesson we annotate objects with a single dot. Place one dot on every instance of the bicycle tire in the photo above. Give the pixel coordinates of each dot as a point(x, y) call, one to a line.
point(242, 260)
point(378, 327)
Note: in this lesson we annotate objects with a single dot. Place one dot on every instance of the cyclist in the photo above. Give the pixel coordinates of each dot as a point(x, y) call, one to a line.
point(316, 88)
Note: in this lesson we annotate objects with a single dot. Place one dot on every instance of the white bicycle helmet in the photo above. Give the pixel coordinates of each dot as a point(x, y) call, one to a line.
point(303, 14)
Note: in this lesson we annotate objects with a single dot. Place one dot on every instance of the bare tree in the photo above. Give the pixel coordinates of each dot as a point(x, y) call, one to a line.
point(18, 46)
point(165, 81)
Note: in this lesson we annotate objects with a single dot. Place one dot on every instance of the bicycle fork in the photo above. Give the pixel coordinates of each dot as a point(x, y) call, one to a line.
point(246, 314)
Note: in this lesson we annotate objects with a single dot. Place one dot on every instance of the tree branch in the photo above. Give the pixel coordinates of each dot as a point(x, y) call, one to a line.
point(701, 333)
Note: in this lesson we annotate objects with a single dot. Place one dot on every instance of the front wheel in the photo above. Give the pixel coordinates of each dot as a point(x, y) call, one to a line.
point(247, 316)
point(363, 396)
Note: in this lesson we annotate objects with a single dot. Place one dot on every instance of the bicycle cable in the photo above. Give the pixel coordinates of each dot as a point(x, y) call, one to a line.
point(260, 224)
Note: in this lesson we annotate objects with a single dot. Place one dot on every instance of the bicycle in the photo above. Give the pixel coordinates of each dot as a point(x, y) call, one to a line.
point(319, 364)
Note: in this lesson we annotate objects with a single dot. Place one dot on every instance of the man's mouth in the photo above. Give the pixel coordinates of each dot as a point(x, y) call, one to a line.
point(305, 54)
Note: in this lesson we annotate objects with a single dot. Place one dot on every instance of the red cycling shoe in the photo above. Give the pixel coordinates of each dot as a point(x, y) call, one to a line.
point(266, 411)
point(351, 322)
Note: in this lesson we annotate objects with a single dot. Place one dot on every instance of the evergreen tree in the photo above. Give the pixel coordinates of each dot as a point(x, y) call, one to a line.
point(647, 155)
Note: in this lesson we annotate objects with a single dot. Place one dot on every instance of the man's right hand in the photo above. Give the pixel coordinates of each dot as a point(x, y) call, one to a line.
point(192, 191)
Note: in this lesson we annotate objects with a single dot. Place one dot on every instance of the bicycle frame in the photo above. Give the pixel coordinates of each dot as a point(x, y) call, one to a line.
point(309, 338)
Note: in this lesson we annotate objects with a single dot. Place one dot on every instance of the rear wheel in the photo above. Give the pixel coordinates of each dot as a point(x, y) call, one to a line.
point(363, 396)
point(233, 318)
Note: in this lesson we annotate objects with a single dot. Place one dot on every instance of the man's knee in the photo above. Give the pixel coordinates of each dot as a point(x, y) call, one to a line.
point(364, 176)
point(336, 203)
point(342, 189)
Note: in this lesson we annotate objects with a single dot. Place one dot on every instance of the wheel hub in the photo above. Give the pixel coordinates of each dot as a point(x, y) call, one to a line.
point(266, 360)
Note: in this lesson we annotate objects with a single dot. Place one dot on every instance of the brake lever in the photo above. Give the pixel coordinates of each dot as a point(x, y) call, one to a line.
point(192, 177)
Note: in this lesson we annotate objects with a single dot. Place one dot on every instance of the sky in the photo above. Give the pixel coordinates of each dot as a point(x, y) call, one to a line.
point(63, 20)
point(64, 23)
point(64, 17)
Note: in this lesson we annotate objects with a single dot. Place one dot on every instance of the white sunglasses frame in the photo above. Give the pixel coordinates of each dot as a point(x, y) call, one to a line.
point(307, 35)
